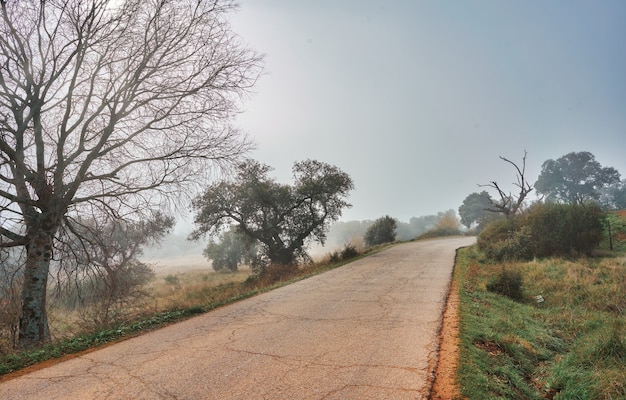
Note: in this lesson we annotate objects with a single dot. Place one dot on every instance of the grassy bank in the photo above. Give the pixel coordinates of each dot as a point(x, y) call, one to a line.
point(570, 346)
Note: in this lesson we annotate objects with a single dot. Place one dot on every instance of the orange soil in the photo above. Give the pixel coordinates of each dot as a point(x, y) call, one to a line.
point(445, 386)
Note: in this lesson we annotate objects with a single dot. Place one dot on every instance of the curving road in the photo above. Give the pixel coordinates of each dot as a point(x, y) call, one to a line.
point(363, 331)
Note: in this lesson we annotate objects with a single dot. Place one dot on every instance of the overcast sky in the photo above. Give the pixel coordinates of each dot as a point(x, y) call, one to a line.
point(417, 99)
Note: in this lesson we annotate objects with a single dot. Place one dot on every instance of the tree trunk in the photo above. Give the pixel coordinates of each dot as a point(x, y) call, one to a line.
point(34, 328)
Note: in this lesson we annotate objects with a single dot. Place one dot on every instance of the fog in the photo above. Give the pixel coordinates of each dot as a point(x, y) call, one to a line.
point(178, 254)
point(416, 100)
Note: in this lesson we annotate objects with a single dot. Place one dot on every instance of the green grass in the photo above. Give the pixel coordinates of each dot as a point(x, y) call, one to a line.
point(572, 346)
point(617, 221)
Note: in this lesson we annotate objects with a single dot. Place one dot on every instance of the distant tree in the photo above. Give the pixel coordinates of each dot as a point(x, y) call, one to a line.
point(510, 204)
point(475, 209)
point(281, 218)
point(448, 223)
point(383, 230)
point(109, 110)
point(575, 178)
point(232, 249)
point(422, 224)
point(613, 197)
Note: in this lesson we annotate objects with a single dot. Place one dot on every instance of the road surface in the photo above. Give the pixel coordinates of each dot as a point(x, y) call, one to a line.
point(366, 330)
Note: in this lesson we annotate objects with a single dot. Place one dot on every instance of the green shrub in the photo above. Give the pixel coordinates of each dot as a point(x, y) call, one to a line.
point(349, 251)
point(383, 230)
point(565, 229)
point(334, 257)
point(507, 283)
point(546, 229)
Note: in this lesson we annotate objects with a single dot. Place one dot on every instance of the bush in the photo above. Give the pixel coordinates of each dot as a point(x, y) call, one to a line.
point(500, 241)
point(507, 283)
point(383, 230)
point(546, 229)
point(565, 229)
point(349, 251)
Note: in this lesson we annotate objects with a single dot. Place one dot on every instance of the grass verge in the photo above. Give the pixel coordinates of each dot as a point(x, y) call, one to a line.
point(570, 346)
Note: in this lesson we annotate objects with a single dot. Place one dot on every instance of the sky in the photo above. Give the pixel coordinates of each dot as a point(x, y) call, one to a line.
point(416, 100)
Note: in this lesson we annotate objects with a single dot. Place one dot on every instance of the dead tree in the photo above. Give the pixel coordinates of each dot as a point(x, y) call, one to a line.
point(509, 204)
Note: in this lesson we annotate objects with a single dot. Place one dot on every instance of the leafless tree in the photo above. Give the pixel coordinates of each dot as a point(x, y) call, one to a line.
point(510, 204)
point(109, 108)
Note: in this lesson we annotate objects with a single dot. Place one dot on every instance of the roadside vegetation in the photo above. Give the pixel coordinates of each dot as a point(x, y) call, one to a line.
point(549, 327)
point(168, 299)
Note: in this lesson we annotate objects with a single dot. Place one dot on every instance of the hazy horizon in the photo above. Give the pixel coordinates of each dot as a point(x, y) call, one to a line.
point(416, 100)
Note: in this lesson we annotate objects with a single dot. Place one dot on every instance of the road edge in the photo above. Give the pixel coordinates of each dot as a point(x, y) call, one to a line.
point(442, 381)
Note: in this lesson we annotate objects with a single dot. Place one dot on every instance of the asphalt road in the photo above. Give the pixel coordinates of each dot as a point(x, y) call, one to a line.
point(363, 331)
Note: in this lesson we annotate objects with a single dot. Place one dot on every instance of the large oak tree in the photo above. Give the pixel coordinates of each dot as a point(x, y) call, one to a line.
point(282, 219)
point(575, 178)
point(109, 109)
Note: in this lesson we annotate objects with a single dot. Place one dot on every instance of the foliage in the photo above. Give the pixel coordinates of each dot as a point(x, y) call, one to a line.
point(230, 251)
point(565, 229)
point(282, 219)
point(545, 229)
point(514, 244)
point(575, 178)
point(383, 230)
point(571, 346)
point(474, 209)
point(615, 239)
point(348, 252)
point(110, 110)
point(613, 197)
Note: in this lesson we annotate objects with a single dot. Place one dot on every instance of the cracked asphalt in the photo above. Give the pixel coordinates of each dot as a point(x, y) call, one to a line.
point(367, 330)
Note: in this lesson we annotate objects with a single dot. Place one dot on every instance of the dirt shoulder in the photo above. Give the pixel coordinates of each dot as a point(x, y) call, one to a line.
point(445, 386)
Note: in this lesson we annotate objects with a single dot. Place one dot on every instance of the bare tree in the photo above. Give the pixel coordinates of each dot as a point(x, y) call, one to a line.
point(510, 204)
point(109, 108)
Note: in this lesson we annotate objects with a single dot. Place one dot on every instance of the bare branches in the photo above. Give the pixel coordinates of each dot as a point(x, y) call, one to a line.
point(509, 204)
point(137, 95)
point(108, 111)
